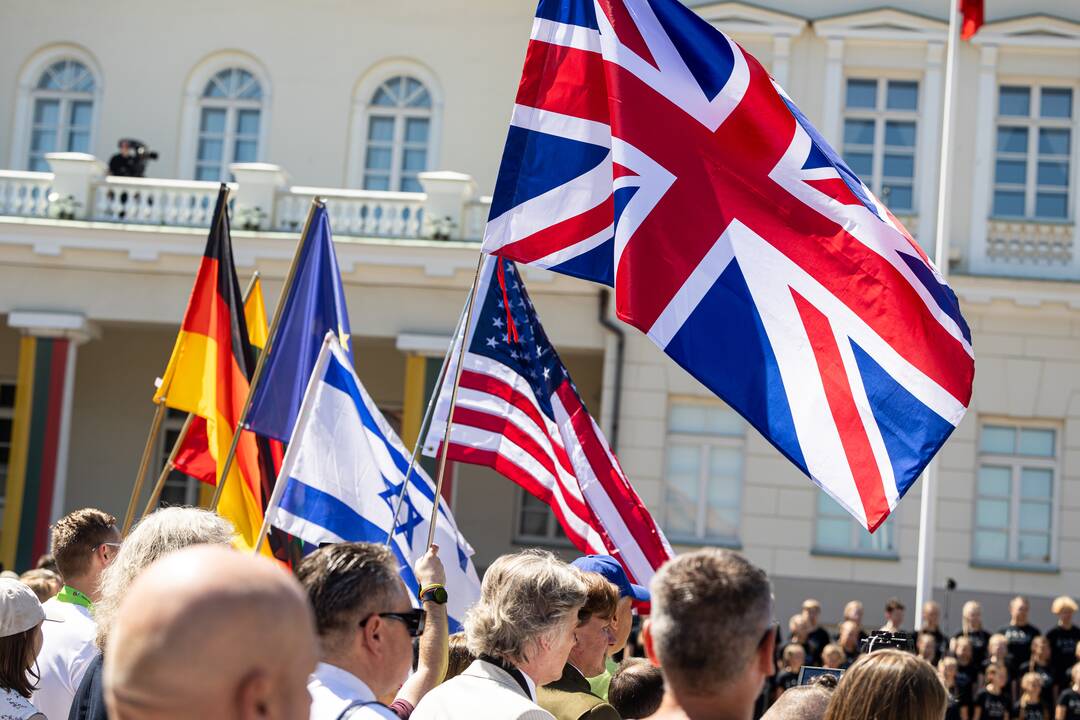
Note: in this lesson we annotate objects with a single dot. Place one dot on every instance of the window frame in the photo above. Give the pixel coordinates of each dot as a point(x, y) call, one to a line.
point(881, 115)
point(232, 106)
point(706, 442)
point(1033, 123)
point(550, 537)
point(1016, 463)
point(173, 422)
point(364, 92)
point(399, 115)
point(854, 530)
point(65, 100)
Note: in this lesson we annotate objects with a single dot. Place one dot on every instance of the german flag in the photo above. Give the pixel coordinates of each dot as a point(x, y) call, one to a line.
point(209, 374)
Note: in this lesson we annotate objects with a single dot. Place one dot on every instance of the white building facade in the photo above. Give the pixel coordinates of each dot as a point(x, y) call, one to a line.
point(396, 113)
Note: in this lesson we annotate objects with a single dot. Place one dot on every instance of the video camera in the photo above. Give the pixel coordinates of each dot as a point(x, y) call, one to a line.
point(133, 162)
point(882, 639)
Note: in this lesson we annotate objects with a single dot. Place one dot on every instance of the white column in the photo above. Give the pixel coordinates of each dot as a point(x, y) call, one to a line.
point(74, 175)
point(929, 145)
point(983, 172)
point(834, 91)
point(447, 195)
point(256, 194)
point(781, 59)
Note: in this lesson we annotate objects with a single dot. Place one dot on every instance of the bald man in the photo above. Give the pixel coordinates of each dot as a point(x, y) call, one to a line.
point(208, 632)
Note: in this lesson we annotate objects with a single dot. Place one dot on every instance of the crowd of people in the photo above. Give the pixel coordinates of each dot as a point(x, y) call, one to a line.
point(171, 622)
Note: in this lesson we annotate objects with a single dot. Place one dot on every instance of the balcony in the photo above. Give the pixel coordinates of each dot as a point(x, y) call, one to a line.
point(261, 199)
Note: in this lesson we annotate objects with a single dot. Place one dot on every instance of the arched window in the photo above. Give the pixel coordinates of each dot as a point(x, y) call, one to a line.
point(230, 111)
point(63, 109)
point(398, 135)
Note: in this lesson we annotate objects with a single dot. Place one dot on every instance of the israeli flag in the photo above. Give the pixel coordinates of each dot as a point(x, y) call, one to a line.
point(342, 477)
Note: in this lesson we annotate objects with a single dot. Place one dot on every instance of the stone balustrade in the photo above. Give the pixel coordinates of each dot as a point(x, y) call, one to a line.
point(25, 193)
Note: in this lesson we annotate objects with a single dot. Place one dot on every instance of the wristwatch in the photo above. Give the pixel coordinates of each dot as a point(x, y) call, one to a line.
point(434, 593)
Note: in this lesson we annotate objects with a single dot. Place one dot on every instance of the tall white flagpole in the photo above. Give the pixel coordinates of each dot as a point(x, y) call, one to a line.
point(924, 583)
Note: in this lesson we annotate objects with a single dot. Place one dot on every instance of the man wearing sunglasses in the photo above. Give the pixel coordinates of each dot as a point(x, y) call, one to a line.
point(366, 625)
point(84, 542)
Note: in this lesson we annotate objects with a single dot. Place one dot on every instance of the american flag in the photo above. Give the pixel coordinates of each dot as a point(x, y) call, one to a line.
point(649, 152)
point(519, 413)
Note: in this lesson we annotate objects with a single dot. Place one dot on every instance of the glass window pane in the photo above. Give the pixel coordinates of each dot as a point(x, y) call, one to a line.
point(43, 141)
point(899, 166)
point(421, 100)
point(80, 114)
point(213, 121)
point(78, 141)
point(381, 129)
point(1012, 139)
point(50, 79)
point(1051, 205)
point(247, 122)
point(414, 160)
point(902, 95)
point(900, 134)
point(1053, 141)
point(862, 94)
point(377, 158)
point(992, 514)
point(859, 132)
point(1011, 172)
point(898, 197)
point(210, 149)
point(1056, 102)
point(46, 112)
point(416, 130)
point(1035, 516)
point(827, 507)
point(1034, 548)
point(881, 541)
point(995, 481)
point(376, 182)
point(245, 151)
point(683, 467)
point(383, 98)
point(1054, 173)
point(705, 420)
point(834, 534)
point(1037, 441)
point(991, 545)
point(862, 164)
point(409, 183)
point(725, 471)
point(721, 522)
point(208, 172)
point(1008, 203)
point(1014, 101)
point(998, 439)
point(1036, 483)
point(533, 524)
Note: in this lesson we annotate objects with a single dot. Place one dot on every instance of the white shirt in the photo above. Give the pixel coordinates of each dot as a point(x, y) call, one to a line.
point(66, 652)
point(333, 689)
point(14, 706)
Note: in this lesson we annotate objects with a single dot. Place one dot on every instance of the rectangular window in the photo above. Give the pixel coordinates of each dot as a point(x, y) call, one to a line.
point(836, 531)
point(704, 469)
point(180, 489)
point(880, 122)
point(536, 522)
point(1015, 494)
point(1033, 146)
point(7, 413)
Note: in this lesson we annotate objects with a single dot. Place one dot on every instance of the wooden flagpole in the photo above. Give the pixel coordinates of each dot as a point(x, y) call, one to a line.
point(155, 494)
point(316, 202)
point(426, 422)
point(144, 465)
point(453, 399)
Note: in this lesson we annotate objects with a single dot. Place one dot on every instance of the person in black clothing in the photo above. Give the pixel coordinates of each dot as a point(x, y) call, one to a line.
point(958, 707)
point(931, 625)
point(1063, 640)
point(1040, 665)
point(1068, 703)
point(848, 640)
point(965, 663)
point(990, 702)
point(972, 629)
point(794, 656)
point(1031, 705)
point(798, 631)
point(1018, 635)
point(816, 636)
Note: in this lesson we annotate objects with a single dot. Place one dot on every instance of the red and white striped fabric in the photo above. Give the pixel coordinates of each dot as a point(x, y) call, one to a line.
point(519, 413)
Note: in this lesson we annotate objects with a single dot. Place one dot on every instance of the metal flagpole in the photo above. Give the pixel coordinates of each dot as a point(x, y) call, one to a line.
point(155, 494)
point(144, 465)
point(316, 202)
point(453, 399)
point(425, 423)
point(924, 583)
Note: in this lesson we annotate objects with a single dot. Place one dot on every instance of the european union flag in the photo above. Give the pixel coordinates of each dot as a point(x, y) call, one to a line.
point(315, 305)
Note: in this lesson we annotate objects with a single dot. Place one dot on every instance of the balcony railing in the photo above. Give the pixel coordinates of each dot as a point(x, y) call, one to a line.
point(261, 199)
point(1030, 244)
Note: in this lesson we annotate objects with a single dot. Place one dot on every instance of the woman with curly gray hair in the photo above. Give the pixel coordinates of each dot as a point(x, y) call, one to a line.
point(521, 631)
point(156, 535)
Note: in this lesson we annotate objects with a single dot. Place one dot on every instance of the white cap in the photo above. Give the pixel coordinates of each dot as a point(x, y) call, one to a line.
point(20, 609)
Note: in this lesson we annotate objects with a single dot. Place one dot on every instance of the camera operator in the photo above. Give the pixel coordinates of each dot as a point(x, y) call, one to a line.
point(131, 159)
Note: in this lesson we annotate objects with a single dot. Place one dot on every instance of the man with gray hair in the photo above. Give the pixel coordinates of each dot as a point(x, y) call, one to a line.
point(711, 631)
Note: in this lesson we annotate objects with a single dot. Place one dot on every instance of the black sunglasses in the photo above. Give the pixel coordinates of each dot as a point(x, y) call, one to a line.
point(413, 620)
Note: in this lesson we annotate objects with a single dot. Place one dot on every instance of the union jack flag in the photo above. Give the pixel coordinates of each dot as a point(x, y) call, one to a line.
point(519, 413)
point(649, 152)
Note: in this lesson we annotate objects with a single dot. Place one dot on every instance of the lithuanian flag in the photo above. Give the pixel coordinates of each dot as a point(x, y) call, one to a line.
point(209, 374)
